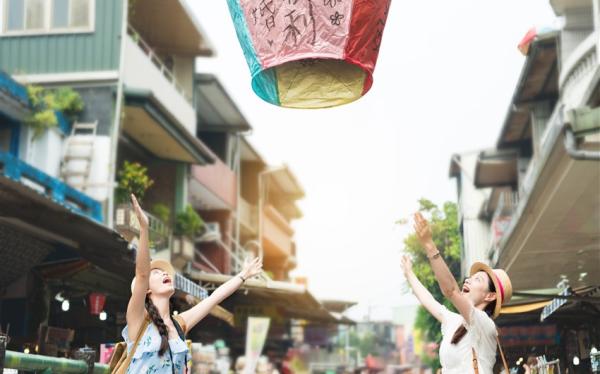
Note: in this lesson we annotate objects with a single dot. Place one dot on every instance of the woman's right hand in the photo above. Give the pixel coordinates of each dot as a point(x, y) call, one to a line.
point(141, 216)
point(406, 264)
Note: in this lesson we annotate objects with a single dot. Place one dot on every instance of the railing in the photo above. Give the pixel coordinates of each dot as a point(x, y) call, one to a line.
point(248, 215)
point(159, 233)
point(17, 170)
point(160, 65)
point(15, 89)
point(502, 218)
point(48, 365)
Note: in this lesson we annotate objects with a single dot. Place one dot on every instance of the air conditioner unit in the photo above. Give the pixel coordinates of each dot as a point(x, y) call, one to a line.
point(212, 232)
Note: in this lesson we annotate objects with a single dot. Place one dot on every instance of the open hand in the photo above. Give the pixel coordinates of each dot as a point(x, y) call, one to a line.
point(252, 268)
point(423, 230)
point(406, 264)
point(141, 216)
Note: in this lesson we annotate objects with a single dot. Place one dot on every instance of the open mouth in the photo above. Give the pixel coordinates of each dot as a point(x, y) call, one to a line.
point(167, 281)
point(465, 289)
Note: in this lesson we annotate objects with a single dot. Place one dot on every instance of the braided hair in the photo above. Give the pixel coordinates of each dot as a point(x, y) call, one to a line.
point(489, 310)
point(159, 323)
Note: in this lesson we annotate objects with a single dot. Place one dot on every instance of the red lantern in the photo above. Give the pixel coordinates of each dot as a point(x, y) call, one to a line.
point(96, 302)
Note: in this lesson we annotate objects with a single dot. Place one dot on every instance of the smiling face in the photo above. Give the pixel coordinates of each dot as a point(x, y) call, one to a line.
point(161, 283)
point(479, 289)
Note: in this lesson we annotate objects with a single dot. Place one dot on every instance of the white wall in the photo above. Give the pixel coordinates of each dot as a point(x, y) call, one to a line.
point(476, 232)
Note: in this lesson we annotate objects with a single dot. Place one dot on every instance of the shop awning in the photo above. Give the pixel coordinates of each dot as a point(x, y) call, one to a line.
point(291, 301)
point(148, 124)
point(36, 213)
point(538, 82)
point(215, 109)
point(496, 168)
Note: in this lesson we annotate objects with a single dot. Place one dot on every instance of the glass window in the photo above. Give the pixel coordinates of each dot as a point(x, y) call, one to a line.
point(60, 14)
point(80, 13)
point(15, 12)
point(34, 16)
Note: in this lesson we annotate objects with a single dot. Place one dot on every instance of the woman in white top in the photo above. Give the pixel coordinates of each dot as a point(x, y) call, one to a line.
point(471, 334)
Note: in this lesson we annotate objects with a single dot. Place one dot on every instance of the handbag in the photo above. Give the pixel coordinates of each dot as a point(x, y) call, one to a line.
point(476, 366)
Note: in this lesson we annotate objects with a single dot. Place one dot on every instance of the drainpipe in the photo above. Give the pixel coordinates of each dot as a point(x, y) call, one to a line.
point(114, 141)
point(585, 119)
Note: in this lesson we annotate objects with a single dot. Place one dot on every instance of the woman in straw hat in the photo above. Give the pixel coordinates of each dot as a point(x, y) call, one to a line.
point(160, 349)
point(470, 337)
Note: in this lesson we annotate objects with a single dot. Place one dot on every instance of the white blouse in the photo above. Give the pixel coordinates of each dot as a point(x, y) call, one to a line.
point(481, 335)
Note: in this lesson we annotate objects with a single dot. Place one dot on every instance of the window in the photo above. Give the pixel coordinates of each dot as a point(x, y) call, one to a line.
point(47, 16)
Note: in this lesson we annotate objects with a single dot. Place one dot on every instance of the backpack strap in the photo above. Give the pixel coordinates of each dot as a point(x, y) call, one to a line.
point(122, 366)
point(180, 326)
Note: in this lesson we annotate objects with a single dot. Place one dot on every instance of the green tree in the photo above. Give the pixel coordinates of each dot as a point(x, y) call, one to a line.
point(444, 227)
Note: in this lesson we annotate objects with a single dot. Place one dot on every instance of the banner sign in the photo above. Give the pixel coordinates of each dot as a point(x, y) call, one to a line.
point(555, 304)
point(256, 335)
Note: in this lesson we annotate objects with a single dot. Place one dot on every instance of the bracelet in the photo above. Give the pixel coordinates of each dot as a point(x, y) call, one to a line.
point(242, 278)
point(435, 256)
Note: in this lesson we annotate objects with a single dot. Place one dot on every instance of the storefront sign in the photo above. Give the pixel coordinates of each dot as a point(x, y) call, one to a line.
point(256, 334)
point(555, 304)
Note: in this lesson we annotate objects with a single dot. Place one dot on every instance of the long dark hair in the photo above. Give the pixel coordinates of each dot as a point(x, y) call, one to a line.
point(489, 310)
point(159, 323)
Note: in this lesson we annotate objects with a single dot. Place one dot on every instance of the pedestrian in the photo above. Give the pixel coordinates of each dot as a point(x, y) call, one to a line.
point(161, 350)
point(470, 336)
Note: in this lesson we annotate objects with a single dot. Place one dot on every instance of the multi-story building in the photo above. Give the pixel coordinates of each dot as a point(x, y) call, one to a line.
point(531, 205)
point(66, 231)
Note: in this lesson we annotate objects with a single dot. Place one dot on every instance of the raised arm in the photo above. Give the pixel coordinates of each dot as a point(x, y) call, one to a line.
point(194, 315)
point(443, 275)
point(136, 306)
point(424, 296)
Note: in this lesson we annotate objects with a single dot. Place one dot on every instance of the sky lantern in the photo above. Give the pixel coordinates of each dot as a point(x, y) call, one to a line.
point(310, 53)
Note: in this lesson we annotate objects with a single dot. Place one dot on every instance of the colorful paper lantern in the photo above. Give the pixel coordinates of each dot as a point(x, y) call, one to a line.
point(96, 302)
point(310, 53)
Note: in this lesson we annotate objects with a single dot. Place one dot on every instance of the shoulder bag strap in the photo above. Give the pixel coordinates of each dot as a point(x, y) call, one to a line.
point(475, 366)
point(502, 353)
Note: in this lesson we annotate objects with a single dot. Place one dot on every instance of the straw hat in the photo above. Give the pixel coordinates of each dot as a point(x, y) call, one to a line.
point(501, 282)
point(161, 265)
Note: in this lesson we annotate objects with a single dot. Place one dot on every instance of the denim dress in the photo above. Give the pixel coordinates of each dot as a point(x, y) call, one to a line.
point(146, 359)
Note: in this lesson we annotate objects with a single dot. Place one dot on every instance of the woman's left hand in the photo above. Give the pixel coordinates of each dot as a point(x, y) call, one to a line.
point(252, 268)
point(423, 231)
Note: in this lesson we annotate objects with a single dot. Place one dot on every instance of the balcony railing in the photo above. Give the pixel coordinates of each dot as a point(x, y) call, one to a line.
point(220, 180)
point(16, 90)
point(160, 65)
point(61, 193)
point(127, 224)
point(277, 233)
point(143, 70)
point(248, 215)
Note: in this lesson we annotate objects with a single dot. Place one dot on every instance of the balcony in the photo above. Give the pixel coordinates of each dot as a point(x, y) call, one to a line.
point(62, 194)
point(126, 223)
point(277, 234)
point(145, 71)
point(214, 186)
point(248, 216)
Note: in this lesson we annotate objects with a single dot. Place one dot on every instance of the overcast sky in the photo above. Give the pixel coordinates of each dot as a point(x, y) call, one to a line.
point(444, 78)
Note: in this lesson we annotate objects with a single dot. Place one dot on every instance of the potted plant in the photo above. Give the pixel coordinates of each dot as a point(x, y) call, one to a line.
point(50, 107)
point(132, 179)
point(188, 224)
